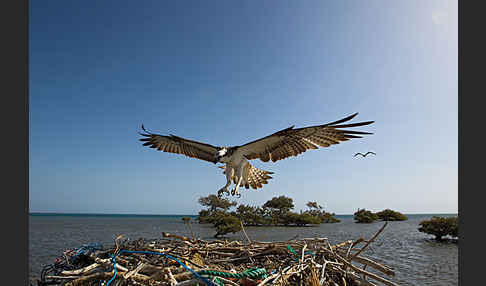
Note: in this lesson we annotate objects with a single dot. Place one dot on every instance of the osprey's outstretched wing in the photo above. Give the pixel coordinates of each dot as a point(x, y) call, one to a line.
point(291, 142)
point(179, 145)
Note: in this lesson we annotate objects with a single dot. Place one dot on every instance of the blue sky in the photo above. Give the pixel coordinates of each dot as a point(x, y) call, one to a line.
point(229, 72)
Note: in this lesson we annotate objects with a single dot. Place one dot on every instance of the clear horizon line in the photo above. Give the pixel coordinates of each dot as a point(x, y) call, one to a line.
point(95, 213)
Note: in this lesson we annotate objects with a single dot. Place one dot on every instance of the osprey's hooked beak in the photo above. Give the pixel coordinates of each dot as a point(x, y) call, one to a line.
point(216, 159)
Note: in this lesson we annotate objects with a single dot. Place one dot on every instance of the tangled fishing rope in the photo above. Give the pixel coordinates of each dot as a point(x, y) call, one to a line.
point(202, 275)
point(113, 259)
point(68, 261)
point(72, 257)
point(296, 254)
point(249, 273)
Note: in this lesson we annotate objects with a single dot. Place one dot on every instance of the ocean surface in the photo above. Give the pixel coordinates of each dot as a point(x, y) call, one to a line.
point(415, 257)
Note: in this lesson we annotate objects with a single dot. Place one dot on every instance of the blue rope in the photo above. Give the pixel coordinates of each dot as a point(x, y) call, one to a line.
point(208, 282)
point(87, 248)
point(113, 258)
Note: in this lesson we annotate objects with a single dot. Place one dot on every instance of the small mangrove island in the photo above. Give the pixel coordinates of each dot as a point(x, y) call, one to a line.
point(275, 212)
point(366, 216)
point(440, 227)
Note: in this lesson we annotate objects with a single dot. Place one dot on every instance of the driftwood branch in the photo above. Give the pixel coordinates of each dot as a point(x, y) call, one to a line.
point(376, 277)
point(371, 240)
point(244, 232)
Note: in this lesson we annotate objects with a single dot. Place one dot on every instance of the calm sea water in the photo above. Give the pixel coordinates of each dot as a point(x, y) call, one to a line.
point(415, 257)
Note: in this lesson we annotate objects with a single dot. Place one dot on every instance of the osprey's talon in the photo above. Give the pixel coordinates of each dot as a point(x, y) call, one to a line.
point(235, 192)
point(221, 191)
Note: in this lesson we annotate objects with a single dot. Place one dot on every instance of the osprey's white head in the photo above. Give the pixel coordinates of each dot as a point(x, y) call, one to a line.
point(221, 156)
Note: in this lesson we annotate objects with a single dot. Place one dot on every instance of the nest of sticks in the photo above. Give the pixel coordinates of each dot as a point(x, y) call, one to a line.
point(182, 261)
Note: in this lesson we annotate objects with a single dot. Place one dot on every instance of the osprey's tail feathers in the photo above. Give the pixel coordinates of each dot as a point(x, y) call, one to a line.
point(252, 177)
point(257, 177)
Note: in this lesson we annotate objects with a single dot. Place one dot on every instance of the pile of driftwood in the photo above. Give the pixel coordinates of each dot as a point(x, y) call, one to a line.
point(182, 261)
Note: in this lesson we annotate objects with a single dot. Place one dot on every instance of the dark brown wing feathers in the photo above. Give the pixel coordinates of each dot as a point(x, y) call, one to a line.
point(179, 145)
point(292, 142)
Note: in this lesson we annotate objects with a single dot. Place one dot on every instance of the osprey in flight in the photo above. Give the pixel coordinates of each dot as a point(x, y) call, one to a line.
point(277, 146)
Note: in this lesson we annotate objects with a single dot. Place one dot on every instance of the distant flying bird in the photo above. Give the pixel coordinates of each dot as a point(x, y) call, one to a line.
point(277, 146)
point(369, 152)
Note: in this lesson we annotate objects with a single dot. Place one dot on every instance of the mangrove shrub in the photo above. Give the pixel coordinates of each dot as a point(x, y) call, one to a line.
point(300, 219)
point(391, 215)
point(440, 227)
point(365, 216)
point(251, 215)
point(214, 203)
point(227, 224)
point(318, 211)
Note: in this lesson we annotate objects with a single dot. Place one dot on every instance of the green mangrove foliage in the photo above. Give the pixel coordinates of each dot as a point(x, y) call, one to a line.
point(317, 210)
point(278, 209)
point(440, 227)
point(215, 203)
point(251, 215)
point(366, 216)
point(391, 215)
point(216, 208)
point(226, 224)
point(300, 219)
point(275, 212)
